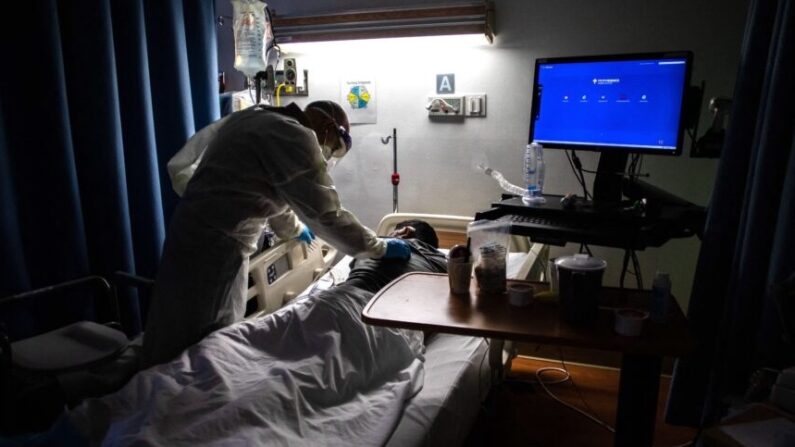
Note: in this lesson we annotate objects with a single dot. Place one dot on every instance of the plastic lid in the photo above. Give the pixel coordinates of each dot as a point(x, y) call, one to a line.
point(581, 262)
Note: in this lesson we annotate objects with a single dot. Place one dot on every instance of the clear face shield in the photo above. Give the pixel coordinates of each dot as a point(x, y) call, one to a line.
point(333, 154)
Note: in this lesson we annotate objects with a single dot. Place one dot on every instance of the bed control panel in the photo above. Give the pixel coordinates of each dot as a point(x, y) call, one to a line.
point(281, 272)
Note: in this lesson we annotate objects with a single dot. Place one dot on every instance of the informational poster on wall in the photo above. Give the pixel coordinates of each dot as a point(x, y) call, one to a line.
point(359, 99)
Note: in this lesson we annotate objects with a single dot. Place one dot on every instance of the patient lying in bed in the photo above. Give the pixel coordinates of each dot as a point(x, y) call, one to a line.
point(310, 374)
point(373, 274)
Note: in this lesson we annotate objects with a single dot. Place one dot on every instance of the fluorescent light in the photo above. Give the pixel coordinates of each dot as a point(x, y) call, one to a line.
point(402, 46)
point(452, 19)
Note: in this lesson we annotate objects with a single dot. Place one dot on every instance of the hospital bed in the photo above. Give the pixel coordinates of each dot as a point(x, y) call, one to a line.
point(437, 404)
point(459, 370)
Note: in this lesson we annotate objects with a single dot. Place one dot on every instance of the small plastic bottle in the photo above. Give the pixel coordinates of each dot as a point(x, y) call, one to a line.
point(660, 296)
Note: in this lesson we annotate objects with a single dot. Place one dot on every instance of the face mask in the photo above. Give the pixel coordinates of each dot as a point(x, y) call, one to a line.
point(331, 162)
point(327, 151)
point(337, 150)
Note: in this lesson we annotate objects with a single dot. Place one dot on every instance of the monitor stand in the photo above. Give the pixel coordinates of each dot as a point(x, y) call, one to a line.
point(609, 177)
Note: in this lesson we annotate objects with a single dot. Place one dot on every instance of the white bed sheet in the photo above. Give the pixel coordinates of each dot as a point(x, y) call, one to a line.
point(168, 404)
point(309, 374)
point(457, 379)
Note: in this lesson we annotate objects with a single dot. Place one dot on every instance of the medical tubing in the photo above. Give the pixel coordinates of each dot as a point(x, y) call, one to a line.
point(504, 184)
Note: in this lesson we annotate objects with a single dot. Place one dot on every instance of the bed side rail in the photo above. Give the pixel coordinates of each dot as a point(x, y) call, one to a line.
point(281, 272)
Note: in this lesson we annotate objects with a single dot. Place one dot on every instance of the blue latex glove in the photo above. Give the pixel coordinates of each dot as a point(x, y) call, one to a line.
point(306, 236)
point(397, 249)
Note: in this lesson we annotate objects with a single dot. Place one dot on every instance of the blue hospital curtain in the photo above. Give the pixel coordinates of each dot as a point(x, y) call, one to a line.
point(95, 97)
point(740, 320)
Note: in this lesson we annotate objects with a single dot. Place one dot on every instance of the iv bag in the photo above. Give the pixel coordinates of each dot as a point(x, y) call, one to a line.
point(253, 36)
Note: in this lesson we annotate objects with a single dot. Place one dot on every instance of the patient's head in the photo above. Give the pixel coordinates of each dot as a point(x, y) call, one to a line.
point(416, 229)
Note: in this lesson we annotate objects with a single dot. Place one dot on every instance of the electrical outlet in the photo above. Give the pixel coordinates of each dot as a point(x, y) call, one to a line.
point(475, 105)
point(449, 106)
point(290, 71)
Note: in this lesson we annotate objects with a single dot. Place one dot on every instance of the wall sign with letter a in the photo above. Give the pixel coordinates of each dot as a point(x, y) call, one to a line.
point(445, 83)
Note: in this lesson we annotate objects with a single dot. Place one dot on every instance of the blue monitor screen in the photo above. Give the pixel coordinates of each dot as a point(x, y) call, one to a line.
point(633, 104)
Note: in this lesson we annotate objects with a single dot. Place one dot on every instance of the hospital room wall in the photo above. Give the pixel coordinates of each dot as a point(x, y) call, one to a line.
point(436, 159)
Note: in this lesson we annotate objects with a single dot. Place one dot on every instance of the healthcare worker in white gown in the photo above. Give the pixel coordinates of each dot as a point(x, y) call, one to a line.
point(260, 164)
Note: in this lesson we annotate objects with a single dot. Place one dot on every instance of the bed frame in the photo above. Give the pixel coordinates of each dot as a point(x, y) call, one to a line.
point(281, 272)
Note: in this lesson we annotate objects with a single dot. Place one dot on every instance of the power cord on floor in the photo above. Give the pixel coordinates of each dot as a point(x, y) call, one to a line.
point(571, 379)
point(539, 373)
point(567, 377)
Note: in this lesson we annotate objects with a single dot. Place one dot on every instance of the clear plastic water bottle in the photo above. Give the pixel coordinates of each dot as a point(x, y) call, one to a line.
point(531, 175)
point(660, 296)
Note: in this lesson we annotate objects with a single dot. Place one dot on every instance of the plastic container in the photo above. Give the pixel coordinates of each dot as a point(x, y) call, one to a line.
point(580, 283)
point(520, 295)
point(489, 242)
point(459, 274)
point(531, 174)
point(552, 275)
point(629, 322)
point(490, 271)
point(660, 296)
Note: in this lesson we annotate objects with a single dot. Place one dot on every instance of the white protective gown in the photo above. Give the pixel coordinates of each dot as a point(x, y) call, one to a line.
point(256, 165)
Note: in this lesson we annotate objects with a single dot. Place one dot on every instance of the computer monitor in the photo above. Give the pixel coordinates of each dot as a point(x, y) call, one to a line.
point(614, 104)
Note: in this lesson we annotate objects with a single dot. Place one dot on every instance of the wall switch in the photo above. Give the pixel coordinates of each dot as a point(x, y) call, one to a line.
point(449, 106)
point(475, 105)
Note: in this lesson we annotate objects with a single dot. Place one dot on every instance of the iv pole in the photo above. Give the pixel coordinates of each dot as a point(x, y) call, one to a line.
point(395, 175)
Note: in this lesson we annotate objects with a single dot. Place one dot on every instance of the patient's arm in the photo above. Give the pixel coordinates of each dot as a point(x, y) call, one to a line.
point(373, 274)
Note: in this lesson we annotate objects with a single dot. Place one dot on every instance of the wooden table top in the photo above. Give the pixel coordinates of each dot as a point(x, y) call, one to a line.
point(423, 301)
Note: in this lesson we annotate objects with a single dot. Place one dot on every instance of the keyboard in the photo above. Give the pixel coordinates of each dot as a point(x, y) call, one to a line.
point(616, 227)
point(558, 231)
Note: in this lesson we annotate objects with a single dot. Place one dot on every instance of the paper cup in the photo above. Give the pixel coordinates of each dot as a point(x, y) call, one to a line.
point(520, 295)
point(629, 322)
point(459, 272)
